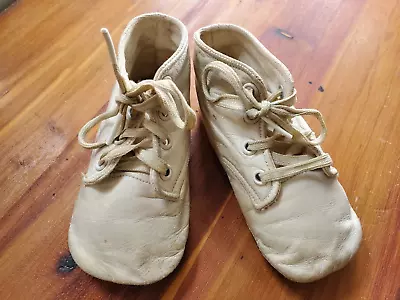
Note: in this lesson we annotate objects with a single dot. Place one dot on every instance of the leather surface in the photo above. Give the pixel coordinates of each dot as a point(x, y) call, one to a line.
point(306, 228)
point(123, 229)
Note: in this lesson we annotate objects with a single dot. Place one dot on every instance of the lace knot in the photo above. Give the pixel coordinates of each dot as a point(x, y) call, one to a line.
point(134, 130)
point(262, 110)
point(265, 107)
point(282, 119)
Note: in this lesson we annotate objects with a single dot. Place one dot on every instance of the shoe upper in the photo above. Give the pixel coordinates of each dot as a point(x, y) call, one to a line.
point(285, 183)
point(130, 221)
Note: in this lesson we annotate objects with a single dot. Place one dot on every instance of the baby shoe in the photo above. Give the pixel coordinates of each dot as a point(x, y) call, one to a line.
point(284, 182)
point(130, 221)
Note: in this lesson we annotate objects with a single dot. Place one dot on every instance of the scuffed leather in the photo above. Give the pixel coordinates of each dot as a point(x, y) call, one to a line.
point(304, 226)
point(122, 231)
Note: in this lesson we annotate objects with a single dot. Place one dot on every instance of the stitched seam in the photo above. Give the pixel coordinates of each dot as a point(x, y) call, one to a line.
point(242, 181)
point(129, 175)
point(227, 107)
point(267, 162)
point(179, 175)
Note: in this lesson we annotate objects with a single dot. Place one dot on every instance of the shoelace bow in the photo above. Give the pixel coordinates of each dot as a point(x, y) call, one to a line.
point(277, 113)
point(134, 131)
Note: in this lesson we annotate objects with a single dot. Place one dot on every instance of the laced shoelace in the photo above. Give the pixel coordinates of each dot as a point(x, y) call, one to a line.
point(277, 113)
point(134, 130)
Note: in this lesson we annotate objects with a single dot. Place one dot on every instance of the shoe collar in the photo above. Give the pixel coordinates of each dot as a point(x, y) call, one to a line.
point(127, 45)
point(233, 34)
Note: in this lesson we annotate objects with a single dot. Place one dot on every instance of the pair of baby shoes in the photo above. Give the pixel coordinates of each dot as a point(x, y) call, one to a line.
point(131, 219)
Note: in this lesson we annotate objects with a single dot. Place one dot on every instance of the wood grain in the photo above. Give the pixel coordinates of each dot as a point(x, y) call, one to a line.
point(55, 75)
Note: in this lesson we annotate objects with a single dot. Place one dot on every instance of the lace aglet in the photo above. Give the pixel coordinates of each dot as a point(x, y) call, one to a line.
point(113, 57)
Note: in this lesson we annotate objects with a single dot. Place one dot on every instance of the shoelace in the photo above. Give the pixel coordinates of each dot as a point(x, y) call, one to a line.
point(277, 113)
point(134, 130)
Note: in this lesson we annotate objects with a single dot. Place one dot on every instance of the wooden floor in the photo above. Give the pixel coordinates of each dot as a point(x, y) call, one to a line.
point(55, 75)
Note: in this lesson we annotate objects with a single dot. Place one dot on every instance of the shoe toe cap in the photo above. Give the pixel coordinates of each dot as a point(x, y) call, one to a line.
point(311, 231)
point(309, 260)
point(133, 267)
point(123, 233)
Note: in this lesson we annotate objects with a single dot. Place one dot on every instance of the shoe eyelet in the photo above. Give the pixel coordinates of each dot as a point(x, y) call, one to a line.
point(167, 174)
point(163, 116)
point(129, 113)
point(166, 144)
point(247, 151)
point(100, 165)
point(257, 177)
point(281, 95)
point(167, 77)
point(119, 141)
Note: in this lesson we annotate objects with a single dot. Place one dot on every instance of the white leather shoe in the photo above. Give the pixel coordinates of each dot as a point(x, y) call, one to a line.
point(285, 184)
point(130, 221)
